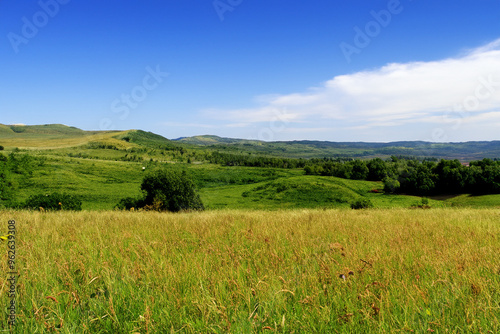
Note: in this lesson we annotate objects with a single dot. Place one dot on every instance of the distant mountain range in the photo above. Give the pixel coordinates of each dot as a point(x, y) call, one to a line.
point(315, 149)
point(58, 135)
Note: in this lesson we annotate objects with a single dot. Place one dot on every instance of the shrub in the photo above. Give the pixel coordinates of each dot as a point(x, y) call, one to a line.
point(129, 203)
point(170, 190)
point(391, 185)
point(54, 201)
point(1, 148)
point(423, 204)
point(165, 190)
point(362, 203)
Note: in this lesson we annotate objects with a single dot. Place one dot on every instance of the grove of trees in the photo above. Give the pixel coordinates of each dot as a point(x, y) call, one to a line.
point(229, 159)
point(417, 177)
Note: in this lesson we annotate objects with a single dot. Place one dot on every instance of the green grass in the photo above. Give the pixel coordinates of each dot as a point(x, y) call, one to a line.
point(293, 258)
point(58, 136)
point(406, 271)
point(101, 182)
point(300, 191)
point(475, 201)
point(103, 167)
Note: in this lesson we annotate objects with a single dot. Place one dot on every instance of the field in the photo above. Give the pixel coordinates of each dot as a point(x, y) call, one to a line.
point(100, 181)
point(240, 271)
point(103, 167)
point(276, 250)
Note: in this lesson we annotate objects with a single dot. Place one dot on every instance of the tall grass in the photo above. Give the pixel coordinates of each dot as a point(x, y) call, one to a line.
point(295, 271)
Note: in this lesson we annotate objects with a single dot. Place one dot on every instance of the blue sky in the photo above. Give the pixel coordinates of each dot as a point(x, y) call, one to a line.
point(271, 70)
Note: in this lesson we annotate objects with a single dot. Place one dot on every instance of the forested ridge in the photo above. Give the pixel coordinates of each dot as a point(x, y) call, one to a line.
point(417, 177)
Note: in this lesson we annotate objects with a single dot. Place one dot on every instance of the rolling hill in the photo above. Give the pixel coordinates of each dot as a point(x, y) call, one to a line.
point(318, 149)
point(51, 136)
point(101, 167)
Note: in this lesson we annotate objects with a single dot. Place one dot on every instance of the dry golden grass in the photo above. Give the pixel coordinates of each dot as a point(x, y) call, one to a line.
point(55, 141)
point(236, 271)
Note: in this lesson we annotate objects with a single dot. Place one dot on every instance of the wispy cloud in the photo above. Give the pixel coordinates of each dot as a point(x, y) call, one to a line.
point(391, 96)
point(191, 125)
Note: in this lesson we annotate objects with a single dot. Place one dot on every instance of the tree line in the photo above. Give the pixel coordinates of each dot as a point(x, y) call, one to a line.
point(417, 177)
point(230, 159)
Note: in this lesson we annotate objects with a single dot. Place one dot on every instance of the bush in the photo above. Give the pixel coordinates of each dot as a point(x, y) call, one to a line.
point(423, 204)
point(391, 185)
point(165, 190)
point(170, 190)
point(54, 201)
point(362, 203)
point(1, 148)
point(129, 203)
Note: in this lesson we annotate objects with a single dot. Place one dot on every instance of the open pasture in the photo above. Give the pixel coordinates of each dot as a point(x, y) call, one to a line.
point(290, 271)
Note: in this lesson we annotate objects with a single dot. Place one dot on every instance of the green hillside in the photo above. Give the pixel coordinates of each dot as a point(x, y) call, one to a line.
point(49, 136)
point(102, 183)
point(47, 129)
point(102, 167)
point(319, 149)
point(59, 136)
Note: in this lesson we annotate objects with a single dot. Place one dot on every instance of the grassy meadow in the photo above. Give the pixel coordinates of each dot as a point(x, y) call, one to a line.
point(100, 168)
point(275, 251)
point(101, 182)
point(240, 271)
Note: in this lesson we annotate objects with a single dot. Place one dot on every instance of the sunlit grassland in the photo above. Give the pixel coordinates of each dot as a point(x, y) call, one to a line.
point(476, 201)
point(43, 141)
point(100, 184)
point(329, 271)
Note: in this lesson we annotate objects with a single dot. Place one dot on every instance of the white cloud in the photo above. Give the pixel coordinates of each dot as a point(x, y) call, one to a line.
point(434, 93)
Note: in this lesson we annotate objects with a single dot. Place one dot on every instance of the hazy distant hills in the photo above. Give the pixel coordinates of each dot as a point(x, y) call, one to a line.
point(316, 149)
point(58, 135)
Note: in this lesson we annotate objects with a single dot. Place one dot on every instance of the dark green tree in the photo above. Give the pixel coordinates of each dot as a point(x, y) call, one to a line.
point(451, 176)
point(359, 170)
point(377, 169)
point(419, 181)
point(170, 190)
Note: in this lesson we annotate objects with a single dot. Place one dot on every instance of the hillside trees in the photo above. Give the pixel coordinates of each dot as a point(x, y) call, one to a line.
point(229, 159)
point(359, 170)
point(451, 176)
point(419, 180)
point(416, 177)
point(377, 169)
